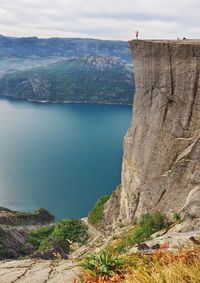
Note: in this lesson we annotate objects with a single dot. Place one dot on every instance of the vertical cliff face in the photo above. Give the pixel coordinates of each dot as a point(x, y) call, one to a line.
point(161, 162)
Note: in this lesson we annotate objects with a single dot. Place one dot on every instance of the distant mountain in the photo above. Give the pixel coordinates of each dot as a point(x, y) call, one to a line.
point(61, 47)
point(97, 79)
point(66, 69)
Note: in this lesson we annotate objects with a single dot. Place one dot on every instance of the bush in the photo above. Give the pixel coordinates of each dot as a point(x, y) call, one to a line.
point(102, 264)
point(62, 232)
point(38, 235)
point(96, 214)
point(70, 230)
point(45, 245)
point(148, 224)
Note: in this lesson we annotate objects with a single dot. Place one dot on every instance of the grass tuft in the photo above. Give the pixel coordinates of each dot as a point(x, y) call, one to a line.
point(158, 267)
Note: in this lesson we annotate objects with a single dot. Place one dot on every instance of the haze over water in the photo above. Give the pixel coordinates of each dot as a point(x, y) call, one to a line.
point(59, 156)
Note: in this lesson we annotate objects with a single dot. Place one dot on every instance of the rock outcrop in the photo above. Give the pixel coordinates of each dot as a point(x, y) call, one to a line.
point(13, 243)
point(16, 218)
point(161, 162)
point(39, 271)
point(14, 231)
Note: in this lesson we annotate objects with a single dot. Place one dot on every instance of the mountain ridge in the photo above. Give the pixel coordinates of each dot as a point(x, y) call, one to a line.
point(88, 79)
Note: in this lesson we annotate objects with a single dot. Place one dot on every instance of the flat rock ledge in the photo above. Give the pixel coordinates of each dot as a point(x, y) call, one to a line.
point(39, 271)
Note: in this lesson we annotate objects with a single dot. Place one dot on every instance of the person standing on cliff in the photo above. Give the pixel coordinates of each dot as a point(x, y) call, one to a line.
point(137, 34)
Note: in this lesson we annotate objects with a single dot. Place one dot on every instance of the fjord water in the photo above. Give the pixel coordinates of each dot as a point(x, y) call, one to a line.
point(59, 156)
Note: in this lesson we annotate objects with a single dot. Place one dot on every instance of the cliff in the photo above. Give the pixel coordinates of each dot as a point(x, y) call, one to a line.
point(161, 162)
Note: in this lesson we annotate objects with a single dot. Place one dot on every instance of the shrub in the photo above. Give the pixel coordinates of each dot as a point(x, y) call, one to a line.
point(45, 245)
point(38, 235)
point(148, 224)
point(122, 242)
point(70, 230)
point(102, 264)
point(96, 214)
point(62, 232)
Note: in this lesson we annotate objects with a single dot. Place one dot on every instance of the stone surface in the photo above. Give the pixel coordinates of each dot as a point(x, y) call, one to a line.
point(161, 162)
point(16, 218)
point(13, 242)
point(39, 271)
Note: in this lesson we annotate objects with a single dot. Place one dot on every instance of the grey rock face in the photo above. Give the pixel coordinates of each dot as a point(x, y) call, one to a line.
point(161, 162)
point(39, 271)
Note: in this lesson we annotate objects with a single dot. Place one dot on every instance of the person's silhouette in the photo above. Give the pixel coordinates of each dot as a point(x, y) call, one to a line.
point(137, 34)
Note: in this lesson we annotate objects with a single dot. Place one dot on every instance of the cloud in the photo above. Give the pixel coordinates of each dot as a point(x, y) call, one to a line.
point(110, 19)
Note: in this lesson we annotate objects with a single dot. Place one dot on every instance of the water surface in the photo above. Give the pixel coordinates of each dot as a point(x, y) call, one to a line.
point(59, 156)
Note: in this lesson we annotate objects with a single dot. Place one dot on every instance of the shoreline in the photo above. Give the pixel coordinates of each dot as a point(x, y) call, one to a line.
point(64, 102)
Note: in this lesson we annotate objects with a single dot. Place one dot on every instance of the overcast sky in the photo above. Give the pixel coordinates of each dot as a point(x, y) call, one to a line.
point(104, 19)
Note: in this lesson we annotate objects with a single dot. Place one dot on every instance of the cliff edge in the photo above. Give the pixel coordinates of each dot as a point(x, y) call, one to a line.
point(161, 161)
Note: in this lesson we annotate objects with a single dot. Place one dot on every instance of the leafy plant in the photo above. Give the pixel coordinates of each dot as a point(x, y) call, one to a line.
point(45, 245)
point(63, 232)
point(96, 214)
point(38, 235)
point(176, 216)
point(70, 230)
point(103, 264)
point(148, 224)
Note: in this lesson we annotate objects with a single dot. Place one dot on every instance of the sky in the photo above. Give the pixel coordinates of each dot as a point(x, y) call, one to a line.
point(103, 19)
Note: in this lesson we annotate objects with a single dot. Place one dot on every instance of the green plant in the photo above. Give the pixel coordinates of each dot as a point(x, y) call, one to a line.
point(70, 230)
point(121, 243)
point(103, 264)
point(176, 217)
point(96, 214)
point(148, 224)
point(45, 245)
point(38, 235)
point(62, 233)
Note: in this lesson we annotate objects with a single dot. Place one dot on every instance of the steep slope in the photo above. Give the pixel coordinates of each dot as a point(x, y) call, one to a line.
point(98, 79)
point(161, 162)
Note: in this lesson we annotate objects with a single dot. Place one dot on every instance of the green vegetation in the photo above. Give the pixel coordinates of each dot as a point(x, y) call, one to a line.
point(37, 236)
point(102, 264)
point(113, 264)
point(46, 245)
point(146, 226)
point(177, 217)
point(101, 79)
point(70, 229)
point(163, 267)
point(63, 232)
point(96, 214)
point(149, 224)
point(121, 243)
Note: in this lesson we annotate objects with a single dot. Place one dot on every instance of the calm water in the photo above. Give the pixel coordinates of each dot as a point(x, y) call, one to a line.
point(61, 157)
